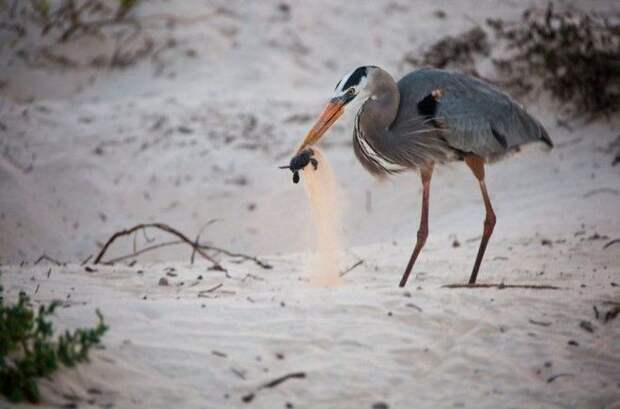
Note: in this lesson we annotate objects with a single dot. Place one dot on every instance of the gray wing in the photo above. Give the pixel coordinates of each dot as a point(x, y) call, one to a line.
point(475, 116)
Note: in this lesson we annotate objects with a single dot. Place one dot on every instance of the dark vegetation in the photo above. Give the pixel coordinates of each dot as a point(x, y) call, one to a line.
point(66, 18)
point(455, 52)
point(28, 349)
point(40, 31)
point(574, 56)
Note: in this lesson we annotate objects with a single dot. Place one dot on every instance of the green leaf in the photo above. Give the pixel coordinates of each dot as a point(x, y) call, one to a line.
point(29, 351)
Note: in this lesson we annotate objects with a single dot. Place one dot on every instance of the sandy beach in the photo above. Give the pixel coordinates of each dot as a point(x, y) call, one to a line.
point(197, 135)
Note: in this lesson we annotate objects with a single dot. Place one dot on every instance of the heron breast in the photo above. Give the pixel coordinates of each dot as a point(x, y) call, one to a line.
point(371, 155)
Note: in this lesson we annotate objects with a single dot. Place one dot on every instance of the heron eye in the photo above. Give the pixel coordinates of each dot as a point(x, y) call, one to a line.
point(351, 91)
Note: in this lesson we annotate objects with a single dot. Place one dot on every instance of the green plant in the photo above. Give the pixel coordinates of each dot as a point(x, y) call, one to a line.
point(29, 351)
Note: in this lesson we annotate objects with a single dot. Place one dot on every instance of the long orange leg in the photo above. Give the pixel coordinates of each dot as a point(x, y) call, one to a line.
point(423, 230)
point(476, 164)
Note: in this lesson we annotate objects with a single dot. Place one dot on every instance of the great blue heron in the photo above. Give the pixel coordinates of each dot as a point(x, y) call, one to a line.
point(429, 117)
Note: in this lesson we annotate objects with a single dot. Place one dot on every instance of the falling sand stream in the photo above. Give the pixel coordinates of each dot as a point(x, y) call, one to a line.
point(326, 201)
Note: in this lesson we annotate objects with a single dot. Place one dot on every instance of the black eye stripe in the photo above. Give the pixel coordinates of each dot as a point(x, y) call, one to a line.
point(355, 78)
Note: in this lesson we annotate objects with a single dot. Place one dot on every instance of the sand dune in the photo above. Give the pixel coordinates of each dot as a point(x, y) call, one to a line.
point(200, 138)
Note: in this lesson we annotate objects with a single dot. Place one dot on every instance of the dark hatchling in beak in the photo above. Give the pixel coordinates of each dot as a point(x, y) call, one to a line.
point(330, 114)
point(300, 161)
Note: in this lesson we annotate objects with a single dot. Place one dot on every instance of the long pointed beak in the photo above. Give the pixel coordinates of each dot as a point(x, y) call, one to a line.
point(330, 114)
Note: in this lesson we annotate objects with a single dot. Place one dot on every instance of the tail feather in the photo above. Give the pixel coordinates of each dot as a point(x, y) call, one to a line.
point(544, 137)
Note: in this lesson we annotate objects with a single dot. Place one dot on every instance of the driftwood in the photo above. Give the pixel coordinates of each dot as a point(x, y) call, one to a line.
point(197, 247)
point(45, 257)
point(601, 190)
point(356, 264)
point(541, 323)
point(242, 256)
point(611, 243)
point(165, 228)
point(204, 226)
point(502, 286)
point(272, 384)
point(560, 375)
point(86, 260)
point(144, 250)
point(210, 290)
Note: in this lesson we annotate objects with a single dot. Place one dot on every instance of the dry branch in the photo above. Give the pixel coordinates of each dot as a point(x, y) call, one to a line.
point(144, 250)
point(554, 377)
point(86, 260)
point(502, 286)
point(601, 190)
point(197, 247)
point(611, 243)
point(272, 384)
point(45, 257)
point(345, 271)
point(229, 253)
point(165, 228)
point(210, 290)
point(197, 241)
point(541, 323)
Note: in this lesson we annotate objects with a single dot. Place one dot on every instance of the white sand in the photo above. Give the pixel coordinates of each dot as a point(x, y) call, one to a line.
point(202, 140)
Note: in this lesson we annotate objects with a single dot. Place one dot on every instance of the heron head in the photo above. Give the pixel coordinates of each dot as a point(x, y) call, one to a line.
point(351, 91)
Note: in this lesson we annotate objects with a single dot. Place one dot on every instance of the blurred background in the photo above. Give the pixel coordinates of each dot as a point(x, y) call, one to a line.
point(114, 113)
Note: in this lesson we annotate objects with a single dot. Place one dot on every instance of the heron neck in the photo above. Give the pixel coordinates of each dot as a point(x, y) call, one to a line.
point(373, 139)
point(377, 115)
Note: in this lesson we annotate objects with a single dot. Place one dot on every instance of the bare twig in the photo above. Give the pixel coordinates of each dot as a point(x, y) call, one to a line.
point(554, 377)
point(272, 384)
point(196, 246)
point(345, 271)
point(197, 241)
point(238, 373)
point(412, 305)
point(86, 260)
point(256, 260)
point(609, 190)
point(611, 243)
point(210, 290)
point(502, 286)
point(45, 257)
point(253, 277)
point(278, 381)
point(165, 228)
point(541, 323)
point(144, 250)
point(611, 314)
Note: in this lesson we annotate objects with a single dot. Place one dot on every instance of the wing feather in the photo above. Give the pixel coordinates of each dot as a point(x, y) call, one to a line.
point(475, 116)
